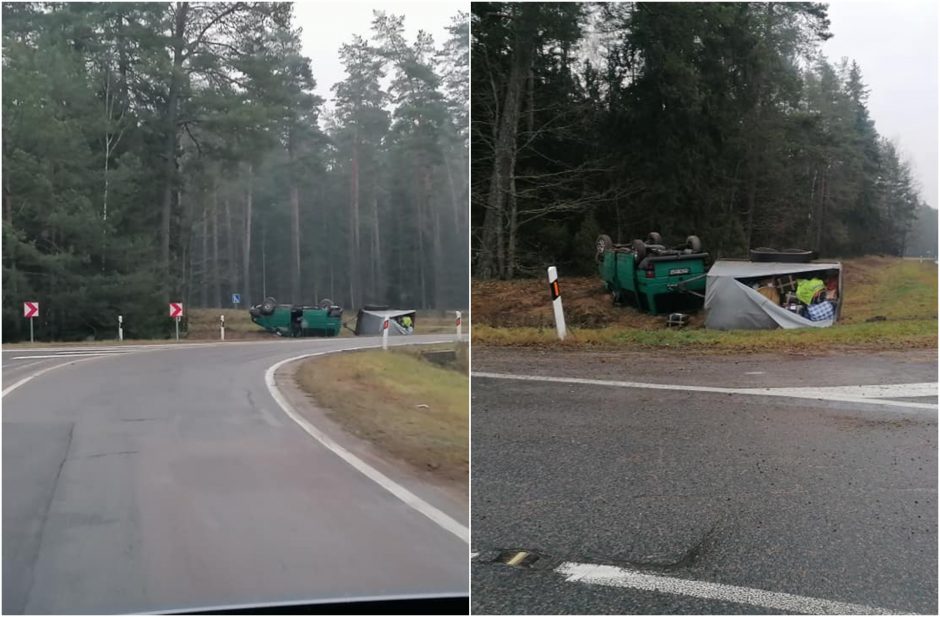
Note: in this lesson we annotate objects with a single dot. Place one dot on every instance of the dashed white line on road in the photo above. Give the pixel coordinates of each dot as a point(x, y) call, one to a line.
point(849, 394)
point(612, 576)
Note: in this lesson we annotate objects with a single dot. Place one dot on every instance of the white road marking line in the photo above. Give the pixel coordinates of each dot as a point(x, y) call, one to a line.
point(612, 576)
point(898, 390)
point(27, 365)
point(754, 373)
point(822, 394)
point(70, 355)
point(399, 491)
point(29, 378)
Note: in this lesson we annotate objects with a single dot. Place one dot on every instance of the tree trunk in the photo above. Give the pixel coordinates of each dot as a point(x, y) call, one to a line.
point(513, 227)
point(354, 223)
point(420, 256)
point(457, 211)
point(295, 242)
point(294, 218)
point(492, 254)
point(231, 268)
point(216, 279)
point(246, 247)
point(169, 150)
point(377, 282)
point(204, 254)
point(751, 204)
point(437, 247)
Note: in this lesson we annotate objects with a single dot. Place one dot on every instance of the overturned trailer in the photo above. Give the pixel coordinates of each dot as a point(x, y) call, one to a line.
point(752, 295)
point(370, 321)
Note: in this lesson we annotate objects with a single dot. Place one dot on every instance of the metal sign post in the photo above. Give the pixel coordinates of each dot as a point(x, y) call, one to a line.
point(176, 313)
point(385, 334)
point(222, 326)
point(120, 327)
point(556, 302)
point(30, 312)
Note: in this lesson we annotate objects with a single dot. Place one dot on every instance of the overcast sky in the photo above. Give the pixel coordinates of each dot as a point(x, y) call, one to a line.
point(327, 25)
point(895, 44)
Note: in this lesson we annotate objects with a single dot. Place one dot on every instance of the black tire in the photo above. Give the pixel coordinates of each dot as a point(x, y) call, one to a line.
point(602, 245)
point(639, 248)
point(694, 244)
point(268, 306)
point(654, 238)
point(325, 303)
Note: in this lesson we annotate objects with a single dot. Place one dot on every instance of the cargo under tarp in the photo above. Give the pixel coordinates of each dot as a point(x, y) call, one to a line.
point(369, 322)
point(733, 305)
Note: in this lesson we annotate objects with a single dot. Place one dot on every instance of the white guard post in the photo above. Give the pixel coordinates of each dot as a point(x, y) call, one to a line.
point(459, 325)
point(120, 327)
point(556, 302)
point(385, 334)
point(222, 327)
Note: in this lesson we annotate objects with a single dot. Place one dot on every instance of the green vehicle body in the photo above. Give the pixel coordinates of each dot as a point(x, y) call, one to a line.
point(658, 284)
point(297, 321)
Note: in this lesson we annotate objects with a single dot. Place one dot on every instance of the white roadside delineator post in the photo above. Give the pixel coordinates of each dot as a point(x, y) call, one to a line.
point(222, 327)
point(120, 327)
point(459, 325)
point(556, 302)
point(385, 334)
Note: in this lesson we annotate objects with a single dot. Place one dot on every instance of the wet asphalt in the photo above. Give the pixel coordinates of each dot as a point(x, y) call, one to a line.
point(828, 500)
point(169, 479)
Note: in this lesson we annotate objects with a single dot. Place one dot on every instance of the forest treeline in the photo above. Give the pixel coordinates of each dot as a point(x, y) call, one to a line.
point(722, 120)
point(157, 152)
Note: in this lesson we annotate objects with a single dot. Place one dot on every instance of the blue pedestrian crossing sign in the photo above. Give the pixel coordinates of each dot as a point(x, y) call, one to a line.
point(236, 298)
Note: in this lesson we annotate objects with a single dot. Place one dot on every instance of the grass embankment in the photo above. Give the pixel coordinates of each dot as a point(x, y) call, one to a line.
point(408, 406)
point(889, 303)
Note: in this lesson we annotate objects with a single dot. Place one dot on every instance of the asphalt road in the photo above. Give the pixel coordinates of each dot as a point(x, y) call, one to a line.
point(153, 479)
point(702, 493)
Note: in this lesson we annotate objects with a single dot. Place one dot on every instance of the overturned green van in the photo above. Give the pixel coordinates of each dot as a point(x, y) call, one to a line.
point(294, 320)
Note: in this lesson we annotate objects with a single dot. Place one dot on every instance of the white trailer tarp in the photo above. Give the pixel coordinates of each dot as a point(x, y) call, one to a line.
point(370, 321)
point(732, 305)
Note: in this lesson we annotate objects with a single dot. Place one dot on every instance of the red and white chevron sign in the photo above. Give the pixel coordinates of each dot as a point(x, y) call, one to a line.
point(176, 309)
point(30, 310)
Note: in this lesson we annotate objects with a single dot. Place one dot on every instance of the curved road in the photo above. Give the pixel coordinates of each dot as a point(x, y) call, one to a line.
point(151, 479)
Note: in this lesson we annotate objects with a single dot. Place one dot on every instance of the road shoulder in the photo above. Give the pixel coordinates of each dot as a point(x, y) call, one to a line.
point(445, 497)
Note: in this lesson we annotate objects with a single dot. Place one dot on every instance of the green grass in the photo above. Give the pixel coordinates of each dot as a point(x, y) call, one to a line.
point(376, 395)
point(901, 294)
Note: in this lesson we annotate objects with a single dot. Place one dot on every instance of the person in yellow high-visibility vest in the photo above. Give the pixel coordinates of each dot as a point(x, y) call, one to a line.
point(407, 323)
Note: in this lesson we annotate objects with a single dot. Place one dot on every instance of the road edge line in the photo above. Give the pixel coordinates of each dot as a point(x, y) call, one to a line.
point(438, 516)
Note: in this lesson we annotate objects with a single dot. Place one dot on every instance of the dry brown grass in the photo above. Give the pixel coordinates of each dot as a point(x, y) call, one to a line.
point(416, 411)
